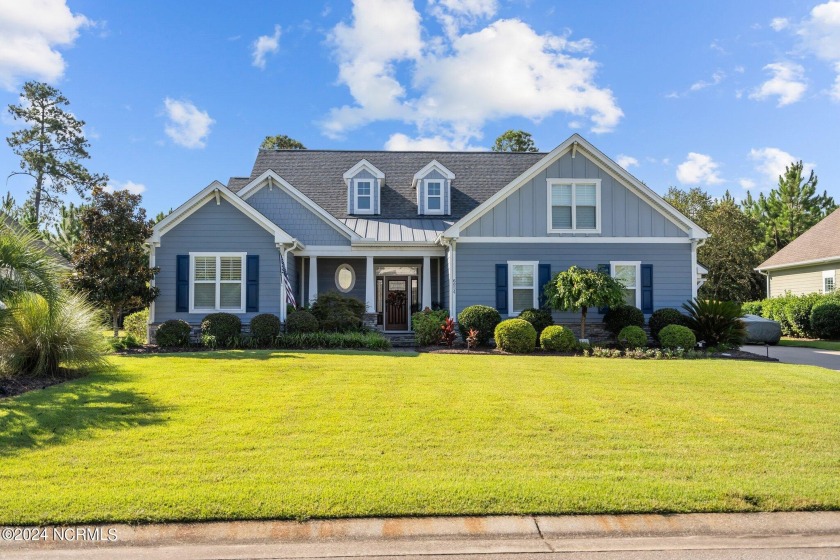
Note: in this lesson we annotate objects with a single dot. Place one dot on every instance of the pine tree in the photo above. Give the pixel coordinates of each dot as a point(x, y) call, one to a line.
point(514, 141)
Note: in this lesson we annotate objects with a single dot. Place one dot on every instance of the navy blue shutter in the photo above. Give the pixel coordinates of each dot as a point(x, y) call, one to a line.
point(502, 288)
point(252, 283)
point(605, 269)
point(544, 278)
point(182, 283)
point(647, 288)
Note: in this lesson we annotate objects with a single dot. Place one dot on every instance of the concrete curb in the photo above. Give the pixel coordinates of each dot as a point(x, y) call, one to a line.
point(541, 528)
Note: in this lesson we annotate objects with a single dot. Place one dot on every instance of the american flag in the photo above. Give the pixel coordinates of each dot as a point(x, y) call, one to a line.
point(290, 296)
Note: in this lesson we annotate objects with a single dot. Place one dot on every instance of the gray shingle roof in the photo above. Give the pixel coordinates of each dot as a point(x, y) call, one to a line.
point(420, 230)
point(820, 242)
point(319, 175)
point(236, 183)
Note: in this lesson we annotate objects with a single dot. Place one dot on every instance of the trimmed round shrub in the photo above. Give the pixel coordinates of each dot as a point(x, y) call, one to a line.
point(661, 318)
point(677, 336)
point(222, 327)
point(173, 333)
point(338, 313)
point(517, 336)
point(135, 325)
point(558, 338)
point(825, 320)
point(539, 319)
point(301, 322)
point(264, 328)
point(632, 337)
point(481, 318)
point(616, 318)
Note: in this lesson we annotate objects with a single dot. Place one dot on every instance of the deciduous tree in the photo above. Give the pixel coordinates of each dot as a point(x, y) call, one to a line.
point(515, 141)
point(281, 142)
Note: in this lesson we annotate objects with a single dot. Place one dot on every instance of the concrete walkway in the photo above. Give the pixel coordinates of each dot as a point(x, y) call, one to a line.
point(492, 537)
point(791, 355)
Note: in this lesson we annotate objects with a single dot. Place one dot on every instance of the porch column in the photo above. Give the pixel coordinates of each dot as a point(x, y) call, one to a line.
point(313, 279)
point(370, 287)
point(427, 283)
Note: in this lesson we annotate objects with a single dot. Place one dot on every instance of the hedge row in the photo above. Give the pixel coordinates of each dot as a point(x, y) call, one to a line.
point(796, 314)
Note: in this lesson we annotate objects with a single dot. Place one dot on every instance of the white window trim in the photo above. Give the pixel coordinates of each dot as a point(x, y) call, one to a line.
point(373, 183)
point(426, 183)
point(349, 267)
point(218, 256)
point(638, 287)
point(535, 302)
point(828, 274)
point(572, 182)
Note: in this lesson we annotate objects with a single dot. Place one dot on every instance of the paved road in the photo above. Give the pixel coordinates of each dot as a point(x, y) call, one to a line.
point(808, 356)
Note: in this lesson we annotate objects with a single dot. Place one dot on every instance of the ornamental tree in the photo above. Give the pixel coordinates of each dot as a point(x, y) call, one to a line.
point(581, 288)
point(111, 261)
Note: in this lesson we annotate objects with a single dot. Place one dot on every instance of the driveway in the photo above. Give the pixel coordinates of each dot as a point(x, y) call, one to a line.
point(807, 356)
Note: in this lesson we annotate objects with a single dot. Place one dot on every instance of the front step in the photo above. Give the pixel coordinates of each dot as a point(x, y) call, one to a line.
point(401, 340)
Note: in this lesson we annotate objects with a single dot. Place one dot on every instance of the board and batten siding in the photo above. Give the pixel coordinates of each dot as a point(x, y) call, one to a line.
point(524, 213)
point(296, 219)
point(216, 228)
point(801, 280)
point(476, 267)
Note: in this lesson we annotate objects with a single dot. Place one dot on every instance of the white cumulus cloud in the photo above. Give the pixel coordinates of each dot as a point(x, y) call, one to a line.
point(698, 169)
point(787, 83)
point(265, 45)
point(401, 142)
point(820, 35)
point(779, 23)
point(626, 161)
point(30, 33)
point(454, 14)
point(130, 186)
point(771, 162)
point(188, 126)
point(746, 183)
point(450, 86)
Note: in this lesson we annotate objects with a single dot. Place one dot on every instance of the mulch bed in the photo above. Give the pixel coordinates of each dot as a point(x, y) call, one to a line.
point(460, 349)
point(9, 387)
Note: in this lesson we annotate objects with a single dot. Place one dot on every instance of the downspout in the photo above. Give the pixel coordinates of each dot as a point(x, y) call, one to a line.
point(766, 281)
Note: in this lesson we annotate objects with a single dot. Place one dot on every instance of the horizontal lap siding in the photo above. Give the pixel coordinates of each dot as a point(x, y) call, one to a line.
point(476, 266)
point(802, 280)
point(216, 228)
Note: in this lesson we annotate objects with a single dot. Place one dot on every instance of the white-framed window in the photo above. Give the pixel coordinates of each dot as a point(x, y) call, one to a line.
point(828, 281)
point(363, 196)
point(629, 273)
point(434, 196)
point(217, 282)
point(574, 205)
point(345, 278)
point(522, 286)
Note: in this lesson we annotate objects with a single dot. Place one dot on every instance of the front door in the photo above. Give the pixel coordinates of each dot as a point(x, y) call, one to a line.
point(396, 303)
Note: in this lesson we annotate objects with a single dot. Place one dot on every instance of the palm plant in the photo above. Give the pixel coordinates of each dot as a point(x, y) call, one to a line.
point(26, 267)
point(716, 322)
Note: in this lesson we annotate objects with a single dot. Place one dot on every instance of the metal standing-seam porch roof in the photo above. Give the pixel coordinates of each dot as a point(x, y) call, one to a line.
point(399, 231)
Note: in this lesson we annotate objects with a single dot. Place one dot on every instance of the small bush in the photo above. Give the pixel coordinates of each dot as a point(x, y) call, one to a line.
point(539, 319)
point(616, 318)
point(135, 325)
point(677, 336)
point(753, 308)
point(661, 318)
point(515, 335)
point(325, 340)
point(481, 318)
point(173, 333)
point(825, 320)
point(632, 337)
point(798, 313)
point(264, 328)
point(558, 338)
point(222, 326)
point(338, 313)
point(716, 322)
point(302, 322)
point(427, 326)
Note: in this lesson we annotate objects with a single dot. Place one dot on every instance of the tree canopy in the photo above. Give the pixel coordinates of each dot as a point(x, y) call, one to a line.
point(581, 288)
point(50, 148)
point(515, 141)
point(281, 142)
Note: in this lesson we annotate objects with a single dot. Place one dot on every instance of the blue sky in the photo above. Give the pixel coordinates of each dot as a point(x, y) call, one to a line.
point(176, 94)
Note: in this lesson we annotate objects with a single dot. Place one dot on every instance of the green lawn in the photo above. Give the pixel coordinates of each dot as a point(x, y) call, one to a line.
point(261, 434)
point(820, 344)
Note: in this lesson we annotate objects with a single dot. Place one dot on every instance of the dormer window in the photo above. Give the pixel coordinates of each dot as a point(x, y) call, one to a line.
point(433, 184)
point(364, 182)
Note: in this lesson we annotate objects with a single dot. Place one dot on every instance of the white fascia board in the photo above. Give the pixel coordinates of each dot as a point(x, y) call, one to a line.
point(271, 178)
point(799, 264)
point(214, 192)
point(575, 239)
point(364, 164)
point(371, 250)
point(433, 165)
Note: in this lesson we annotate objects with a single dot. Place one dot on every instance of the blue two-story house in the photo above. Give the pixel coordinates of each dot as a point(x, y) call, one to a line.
point(403, 231)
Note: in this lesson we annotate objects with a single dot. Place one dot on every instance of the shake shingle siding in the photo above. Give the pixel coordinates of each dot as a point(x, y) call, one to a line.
point(295, 219)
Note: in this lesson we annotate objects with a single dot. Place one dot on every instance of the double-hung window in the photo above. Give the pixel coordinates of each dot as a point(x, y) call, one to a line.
point(629, 274)
point(218, 282)
point(434, 197)
point(574, 205)
point(522, 285)
point(828, 281)
point(364, 196)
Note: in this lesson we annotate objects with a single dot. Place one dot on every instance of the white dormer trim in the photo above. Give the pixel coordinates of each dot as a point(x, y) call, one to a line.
point(433, 165)
point(420, 182)
point(376, 190)
point(364, 164)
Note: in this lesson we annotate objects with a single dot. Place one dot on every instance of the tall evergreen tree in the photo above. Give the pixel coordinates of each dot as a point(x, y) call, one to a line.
point(514, 141)
point(789, 210)
point(50, 148)
point(67, 231)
